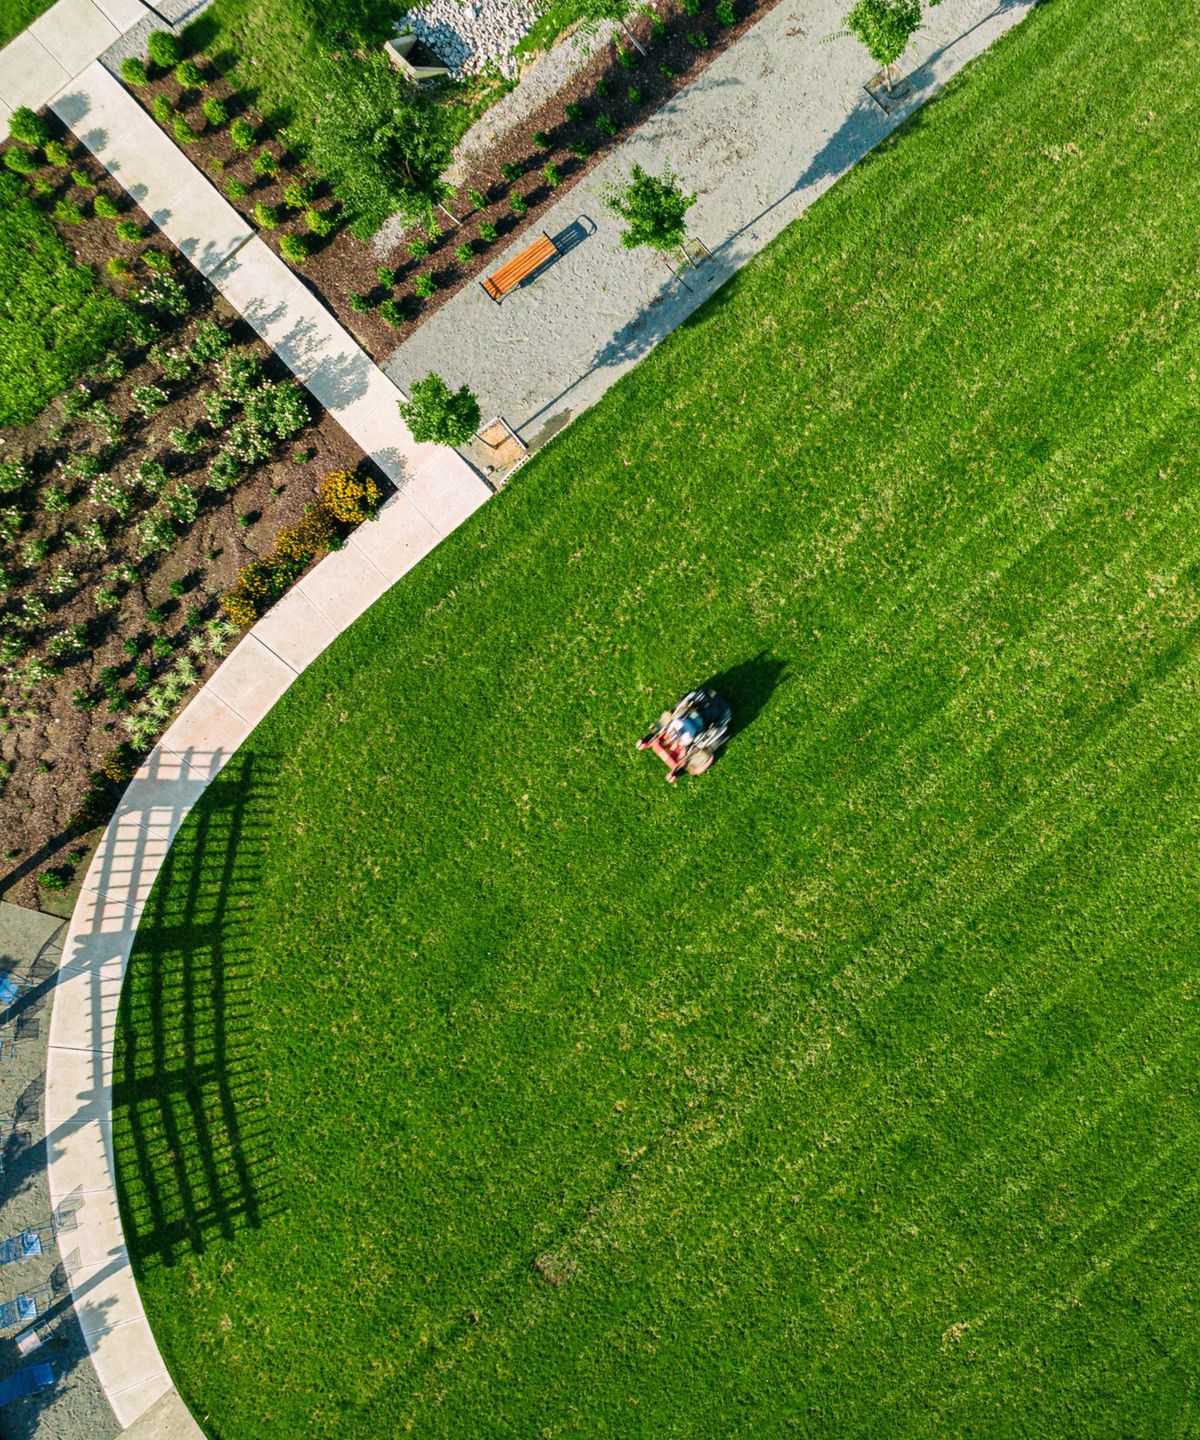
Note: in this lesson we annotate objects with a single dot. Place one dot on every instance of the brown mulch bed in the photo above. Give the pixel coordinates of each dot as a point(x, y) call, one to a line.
point(54, 736)
point(342, 265)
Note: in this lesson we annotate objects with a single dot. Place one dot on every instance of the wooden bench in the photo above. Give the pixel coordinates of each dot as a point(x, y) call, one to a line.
point(519, 268)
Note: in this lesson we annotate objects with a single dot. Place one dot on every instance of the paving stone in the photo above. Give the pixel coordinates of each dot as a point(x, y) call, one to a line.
point(295, 630)
point(29, 74)
point(127, 851)
point(124, 14)
point(208, 728)
point(343, 585)
point(251, 680)
point(397, 539)
point(166, 786)
point(446, 490)
point(75, 32)
point(204, 225)
point(165, 1417)
point(88, 989)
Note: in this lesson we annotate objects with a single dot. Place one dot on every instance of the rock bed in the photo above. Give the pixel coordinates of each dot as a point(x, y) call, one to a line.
point(474, 35)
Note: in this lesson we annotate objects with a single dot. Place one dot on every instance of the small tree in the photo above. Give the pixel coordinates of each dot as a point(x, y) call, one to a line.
point(884, 27)
point(593, 13)
point(435, 412)
point(654, 210)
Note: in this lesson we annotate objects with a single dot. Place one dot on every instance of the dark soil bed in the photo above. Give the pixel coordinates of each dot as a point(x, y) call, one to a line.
point(56, 735)
point(341, 266)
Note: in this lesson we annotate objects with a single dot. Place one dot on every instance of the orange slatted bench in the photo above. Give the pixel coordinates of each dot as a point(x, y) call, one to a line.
point(519, 268)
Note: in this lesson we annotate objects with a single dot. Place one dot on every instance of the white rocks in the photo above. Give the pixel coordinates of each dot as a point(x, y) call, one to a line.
point(471, 35)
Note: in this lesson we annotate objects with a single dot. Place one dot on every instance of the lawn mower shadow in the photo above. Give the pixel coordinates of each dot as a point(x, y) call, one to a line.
point(748, 687)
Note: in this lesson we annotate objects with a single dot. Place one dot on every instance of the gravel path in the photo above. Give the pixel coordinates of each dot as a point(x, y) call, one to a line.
point(766, 129)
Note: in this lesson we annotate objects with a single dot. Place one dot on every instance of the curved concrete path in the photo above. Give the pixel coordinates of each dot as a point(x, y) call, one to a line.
point(436, 491)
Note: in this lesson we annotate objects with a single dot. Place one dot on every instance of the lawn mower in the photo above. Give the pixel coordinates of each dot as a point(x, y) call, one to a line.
point(688, 737)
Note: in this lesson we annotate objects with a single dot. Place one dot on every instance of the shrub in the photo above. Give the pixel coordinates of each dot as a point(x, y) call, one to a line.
point(487, 232)
point(20, 162)
point(150, 399)
point(603, 88)
point(55, 499)
point(265, 164)
point(658, 29)
point(185, 134)
point(242, 134)
point(105, 207)
point(11, 521)
point(236, 189)
point(108, 491)
point(666, 72)
point(158, 262)
point(162, 109)
point(133, 71)
point(518, 204)
point(297, 193)
point(425, 285)
point(58, 155)
point(419, 249)
point(434, 412)
point(349, 497)
point(61, 580)
point(266, 217)
point(692, 6)
point(66, 212)
point(164, 48)
point(27, 125)
point(698, 40)
point(464, 253)
point(183, 506)
point(165, 293)
point(219, 409)
point(572, 111)
point(320, 223)
point(626, 58)
point(57, 877)
point(277, 411)
point(264, 580)
point(478, 199)
point(82, 179)
point(189, 75)
point(14, 476)
point(33, 552)
point(635, 95)
point(541, 140)
point(511, 171)
point(606, 125)
point(294, 248)
point(225, 471)
point(238, 373)
point(185, 440)
point(359, 303)
point(580, 148)
point(214, 111)
point(119, 268)
point(725, 15)
point(392, 313)
point(386, 277)
point(152, 477)
point(155, 534)
point(210, 343)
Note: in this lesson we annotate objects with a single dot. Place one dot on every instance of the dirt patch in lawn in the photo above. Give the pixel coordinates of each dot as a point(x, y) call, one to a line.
point(612, 99)
point(68, 548)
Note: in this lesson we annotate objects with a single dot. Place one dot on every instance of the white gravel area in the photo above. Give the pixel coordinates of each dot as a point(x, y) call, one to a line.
point(471, 35)
point(768, 127)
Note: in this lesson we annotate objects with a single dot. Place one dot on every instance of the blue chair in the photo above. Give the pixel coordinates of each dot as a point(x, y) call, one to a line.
point(10, 987)
point(25, 1382)
point(20, 1311)
point(24, 1246)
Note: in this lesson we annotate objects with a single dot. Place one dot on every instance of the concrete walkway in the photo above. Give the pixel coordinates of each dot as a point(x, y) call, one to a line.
point(436, 489)
point(54, 49)
point(765, 130)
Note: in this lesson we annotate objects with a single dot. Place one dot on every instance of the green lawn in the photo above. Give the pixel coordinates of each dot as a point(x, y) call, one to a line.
point(16, 14)
point(473, 1082)
point(54, 318)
